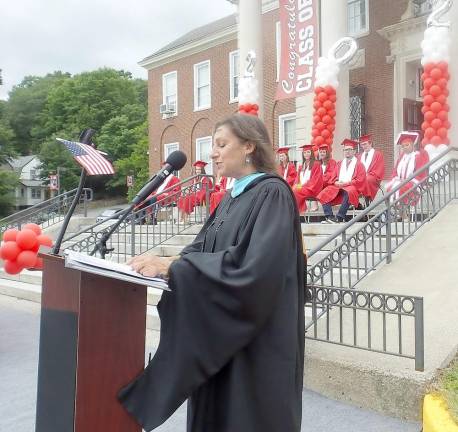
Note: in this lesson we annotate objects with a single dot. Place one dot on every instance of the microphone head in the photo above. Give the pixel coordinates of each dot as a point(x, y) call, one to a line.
point(177, 160)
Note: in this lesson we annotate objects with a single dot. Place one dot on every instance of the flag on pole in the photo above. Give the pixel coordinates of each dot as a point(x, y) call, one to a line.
point(88, 157)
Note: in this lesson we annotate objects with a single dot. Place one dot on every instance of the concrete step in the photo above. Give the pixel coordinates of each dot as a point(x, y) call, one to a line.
point(26, 276)
point(148, 239)
point(21, 290)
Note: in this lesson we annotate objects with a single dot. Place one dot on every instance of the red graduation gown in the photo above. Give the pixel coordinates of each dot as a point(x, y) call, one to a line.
point(289, 174)
point(173, 194)
point(218, 194)
point(328, 174)
point(187, 203)
point(331, 195)
point(311, 188)
point(374, 174)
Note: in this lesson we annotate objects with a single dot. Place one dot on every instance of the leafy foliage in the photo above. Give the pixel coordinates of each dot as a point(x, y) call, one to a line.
point(8, 183)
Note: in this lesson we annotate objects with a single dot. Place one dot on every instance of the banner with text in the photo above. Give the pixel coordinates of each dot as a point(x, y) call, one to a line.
point(299, 47)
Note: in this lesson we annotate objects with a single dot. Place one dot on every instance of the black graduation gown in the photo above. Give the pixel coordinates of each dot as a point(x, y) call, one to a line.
point(232, 328)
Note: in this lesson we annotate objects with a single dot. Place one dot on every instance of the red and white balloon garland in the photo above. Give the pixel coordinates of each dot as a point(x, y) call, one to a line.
point(435, 78)
point(19, 249)
point(326, 84)
point(249, 88)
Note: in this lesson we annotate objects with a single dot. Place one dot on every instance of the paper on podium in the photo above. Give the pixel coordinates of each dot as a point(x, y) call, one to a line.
point(90, 264)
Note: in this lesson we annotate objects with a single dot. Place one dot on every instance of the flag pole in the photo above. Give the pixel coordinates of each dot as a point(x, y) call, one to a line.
point(85, 138)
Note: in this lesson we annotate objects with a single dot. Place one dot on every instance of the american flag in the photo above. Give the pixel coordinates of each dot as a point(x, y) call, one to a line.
point(88, 157)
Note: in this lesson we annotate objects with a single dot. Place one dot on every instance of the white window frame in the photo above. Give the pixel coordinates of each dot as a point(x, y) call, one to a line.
point(281, 132)
point(364, 31)
point(167, 153)
point(164, 77)
point(196, 71)
point(233, 74)
point(278, 48)
point(199, 141)
point(35, 191)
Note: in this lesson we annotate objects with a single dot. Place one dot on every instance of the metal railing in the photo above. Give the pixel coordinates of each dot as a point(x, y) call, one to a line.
point(372, 236)
point(46, 213)
point(152, 224)
point(363, 320)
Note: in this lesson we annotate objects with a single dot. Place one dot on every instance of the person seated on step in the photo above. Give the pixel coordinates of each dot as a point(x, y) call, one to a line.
point(347, 184)
point(163, 199)
point(195, 197)
point(409, 161)
point(328, 165)
point(309, 180)
point(222, 185)
point(374, 164)
point(286, 169)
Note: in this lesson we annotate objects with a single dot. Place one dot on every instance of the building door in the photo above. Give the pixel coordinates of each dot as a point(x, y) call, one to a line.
point(412, 115)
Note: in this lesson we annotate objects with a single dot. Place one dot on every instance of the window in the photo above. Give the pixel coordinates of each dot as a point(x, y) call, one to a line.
point(278, 47)
point(203, 152)
point(169, 148)
point(33, 174)
point(202, 96)
point(234, 76)
point(169, 90)
point(357, 111)
point(287, 134)
point(358, 17)
point(22, 192)
point(36, 193)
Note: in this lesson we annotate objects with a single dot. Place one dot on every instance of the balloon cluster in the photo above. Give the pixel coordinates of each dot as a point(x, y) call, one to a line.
point(324, 115)
point(435, 108)
point(435, 45)
point(19, 249)
point(248, 108)
point(327, 72)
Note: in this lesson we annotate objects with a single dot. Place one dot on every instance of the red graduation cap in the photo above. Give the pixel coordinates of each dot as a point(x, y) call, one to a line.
point(407, 136)
point(283, 150)
point(349, 143)
point(306, 147)
point(324, 146)
point(199, 164)
point(365, 138)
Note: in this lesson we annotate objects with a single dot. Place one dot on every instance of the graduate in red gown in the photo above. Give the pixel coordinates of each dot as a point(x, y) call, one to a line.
point(374, 164)
point(196, 197)
point(222, 185)
point(328, 165)
point(409, 161)
point(286, 169)
point(309, 180)
point(347, 184)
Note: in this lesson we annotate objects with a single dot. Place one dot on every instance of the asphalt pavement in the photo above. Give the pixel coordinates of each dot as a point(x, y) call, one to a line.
point(19, 335)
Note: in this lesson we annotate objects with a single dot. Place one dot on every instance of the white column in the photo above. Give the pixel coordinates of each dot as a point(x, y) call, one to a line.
point(333, 21)
point(250, 38)
point(453, 66)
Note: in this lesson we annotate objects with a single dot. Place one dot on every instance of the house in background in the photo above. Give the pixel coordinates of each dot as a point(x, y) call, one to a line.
point(31, 189)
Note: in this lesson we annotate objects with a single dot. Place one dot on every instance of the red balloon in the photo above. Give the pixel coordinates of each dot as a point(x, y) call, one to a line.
point(320, 126)
point(442, 132)
point(327, 119)
point(428, 99)
point(321, 111)
point(255, 107)
point(332, 113)
point(317, 104)
point(322, 96)
point(446, 107)
point(34, 227)
point(12, 267)
point(447, 124)
point(423, 93)
point(328, 105)
point(333, 98)
point(436, 124)
point(331, 127)
point(436, 140)
point(10, 234)
point(330, 90)
point(436, 107)
point(425, 125)
point(435, 90)
point(39, 263)
point(328, 141)
point(443, 66)
point(319, 90)
point(442, 83)
point(424, 76)
point(319, 140)
point(442, 99)
point(44, 240)
point(425, 108)
point(428, 82)
point(35, 248)
point(442, 115)
point(429, 133)
point(429, 116)
point(446, 92)
point(428, 67)
point(436, 73)
point(315, 132)
point(253, 112)
point(316, 119)
point(248, 107)
point(9, 251)
point(26, 239)
point(27, 259)
point(325, 133)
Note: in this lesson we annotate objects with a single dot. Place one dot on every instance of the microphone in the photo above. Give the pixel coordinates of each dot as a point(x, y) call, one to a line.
point(174, 162)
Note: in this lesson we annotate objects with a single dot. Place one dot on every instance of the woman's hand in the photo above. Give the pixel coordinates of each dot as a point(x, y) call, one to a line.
point(151, 265)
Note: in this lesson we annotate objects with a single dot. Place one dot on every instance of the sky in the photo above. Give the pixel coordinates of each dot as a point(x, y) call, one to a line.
point(42, 36)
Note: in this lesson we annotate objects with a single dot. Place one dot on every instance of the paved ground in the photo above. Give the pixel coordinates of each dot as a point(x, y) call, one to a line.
point(19, 331)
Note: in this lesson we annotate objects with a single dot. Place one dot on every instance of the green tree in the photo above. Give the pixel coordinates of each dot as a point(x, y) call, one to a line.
point(8, 183)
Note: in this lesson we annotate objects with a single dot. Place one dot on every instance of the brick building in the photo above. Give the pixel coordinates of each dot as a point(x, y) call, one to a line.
point(192, 81)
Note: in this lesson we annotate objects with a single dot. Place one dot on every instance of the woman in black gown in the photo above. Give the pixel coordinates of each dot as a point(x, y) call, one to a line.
point(232, 326)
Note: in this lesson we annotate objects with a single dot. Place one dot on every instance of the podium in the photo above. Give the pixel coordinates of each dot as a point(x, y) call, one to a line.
point(92, 343)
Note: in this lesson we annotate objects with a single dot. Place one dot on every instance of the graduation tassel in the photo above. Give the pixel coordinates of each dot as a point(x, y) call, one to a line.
point(149, 358)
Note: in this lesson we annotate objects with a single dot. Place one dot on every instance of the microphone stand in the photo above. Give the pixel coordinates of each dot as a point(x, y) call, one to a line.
point(85, 138)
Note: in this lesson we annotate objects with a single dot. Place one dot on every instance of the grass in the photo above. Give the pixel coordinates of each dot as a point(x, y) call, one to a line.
point(448, 387)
